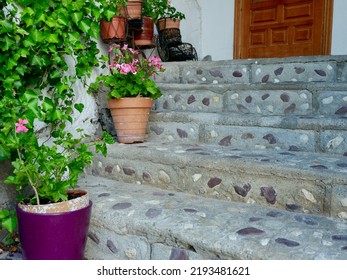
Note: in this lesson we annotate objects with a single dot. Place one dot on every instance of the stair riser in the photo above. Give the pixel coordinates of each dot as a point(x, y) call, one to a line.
point(250, 138)
point(293, 70)
point(290, 191)
point(260, 102)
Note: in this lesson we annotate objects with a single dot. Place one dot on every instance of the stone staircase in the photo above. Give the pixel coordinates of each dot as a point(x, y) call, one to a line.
point(245, 159)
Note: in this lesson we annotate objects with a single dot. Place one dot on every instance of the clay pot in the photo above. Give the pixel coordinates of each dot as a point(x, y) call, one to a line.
point(130, 117)
point(164, 23)
point(145, 36)
point(134, 9)
point(113, 30)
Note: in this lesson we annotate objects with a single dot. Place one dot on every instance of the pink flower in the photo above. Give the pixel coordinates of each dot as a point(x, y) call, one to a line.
point(21, 126)
point(125, 68)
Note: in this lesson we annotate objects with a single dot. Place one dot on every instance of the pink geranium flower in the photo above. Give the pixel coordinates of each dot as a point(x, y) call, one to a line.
point(20, 126)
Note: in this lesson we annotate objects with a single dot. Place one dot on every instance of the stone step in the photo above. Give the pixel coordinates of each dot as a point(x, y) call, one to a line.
point(298, 181)
point(273, 70)
point(132, 221)
point(326, 134)
point(259, 99)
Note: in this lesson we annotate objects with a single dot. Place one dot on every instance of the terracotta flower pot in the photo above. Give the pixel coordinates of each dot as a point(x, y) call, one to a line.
point(114, 29)
point(130, 117)
point(54, 236)
point(145, 36)
point(165, 23)
point(134, 9)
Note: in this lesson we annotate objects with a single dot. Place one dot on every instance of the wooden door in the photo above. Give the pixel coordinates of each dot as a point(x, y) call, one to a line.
point(282, 28)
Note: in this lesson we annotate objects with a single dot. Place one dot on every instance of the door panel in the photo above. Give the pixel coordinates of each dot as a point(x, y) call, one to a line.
point(282, 28)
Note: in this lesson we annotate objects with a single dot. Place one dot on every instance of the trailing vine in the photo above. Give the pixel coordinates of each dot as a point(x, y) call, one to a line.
point(37, 39)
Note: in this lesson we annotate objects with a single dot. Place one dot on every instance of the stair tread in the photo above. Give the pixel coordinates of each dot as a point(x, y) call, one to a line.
point(204, 227)
point(319, 165)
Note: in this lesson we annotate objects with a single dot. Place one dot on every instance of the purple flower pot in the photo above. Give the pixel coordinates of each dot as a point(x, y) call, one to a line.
point(61, 236)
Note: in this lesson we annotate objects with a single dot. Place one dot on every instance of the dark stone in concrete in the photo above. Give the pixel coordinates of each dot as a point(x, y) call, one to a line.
point(320, 72)
point(290, 109)
point(250, 231)
point(265, 96)
point(104, 195)
point(339, 237)
point(270, 138)
point(214, 182)
point(311, 221)
point(278, 71)
point(237, 74)
point(191, 99)
point(265, 78)
point(274, 214)
point(121, 206)
point(341, 111)
point(128, 171)
point(299, 70)
point(287, 242)
point(206, 101)
point(181, 133)
point(269, 193)
point(94, 237)
point(111, 246)
point(153, 212)
point(226, 141)
point(178, 254)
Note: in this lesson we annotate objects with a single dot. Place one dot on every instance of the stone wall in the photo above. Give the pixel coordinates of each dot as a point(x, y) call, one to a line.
point(7, 193)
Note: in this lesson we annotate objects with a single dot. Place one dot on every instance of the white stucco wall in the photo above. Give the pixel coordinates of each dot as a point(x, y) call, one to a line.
point(209, 26)
point(339, 36)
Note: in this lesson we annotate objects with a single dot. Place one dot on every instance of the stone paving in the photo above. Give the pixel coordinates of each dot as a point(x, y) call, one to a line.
point(135, 221)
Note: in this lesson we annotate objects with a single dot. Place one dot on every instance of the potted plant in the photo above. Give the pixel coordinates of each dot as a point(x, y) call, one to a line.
point(113, 25)
point(43, 57)
point(131, 90)
point(163, 13)
point(134, 9)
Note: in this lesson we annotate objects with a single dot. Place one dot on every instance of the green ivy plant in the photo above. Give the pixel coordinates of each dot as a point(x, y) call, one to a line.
point(158, 9)
point(36, 91)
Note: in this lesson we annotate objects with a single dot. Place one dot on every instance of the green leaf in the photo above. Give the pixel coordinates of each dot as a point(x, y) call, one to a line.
point(95, 30)
point(55, 74)
point(79, 107)
point(62, 19)
point(74, 37)
point(36, 36)
point(30, 94)
point(6, 26)
point(38, 61)
point(10, 223)
point(7, 43)
point(84, 25)
point(57, 115)
point(4, 214)
point(47, 105)
point(34, 108)
point(53, 38)
point(77, 17)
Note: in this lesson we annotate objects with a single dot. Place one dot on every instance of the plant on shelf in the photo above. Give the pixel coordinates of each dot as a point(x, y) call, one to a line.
point(47, 48)
point(160, 9)
point(113, 23)
point(130, 81)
